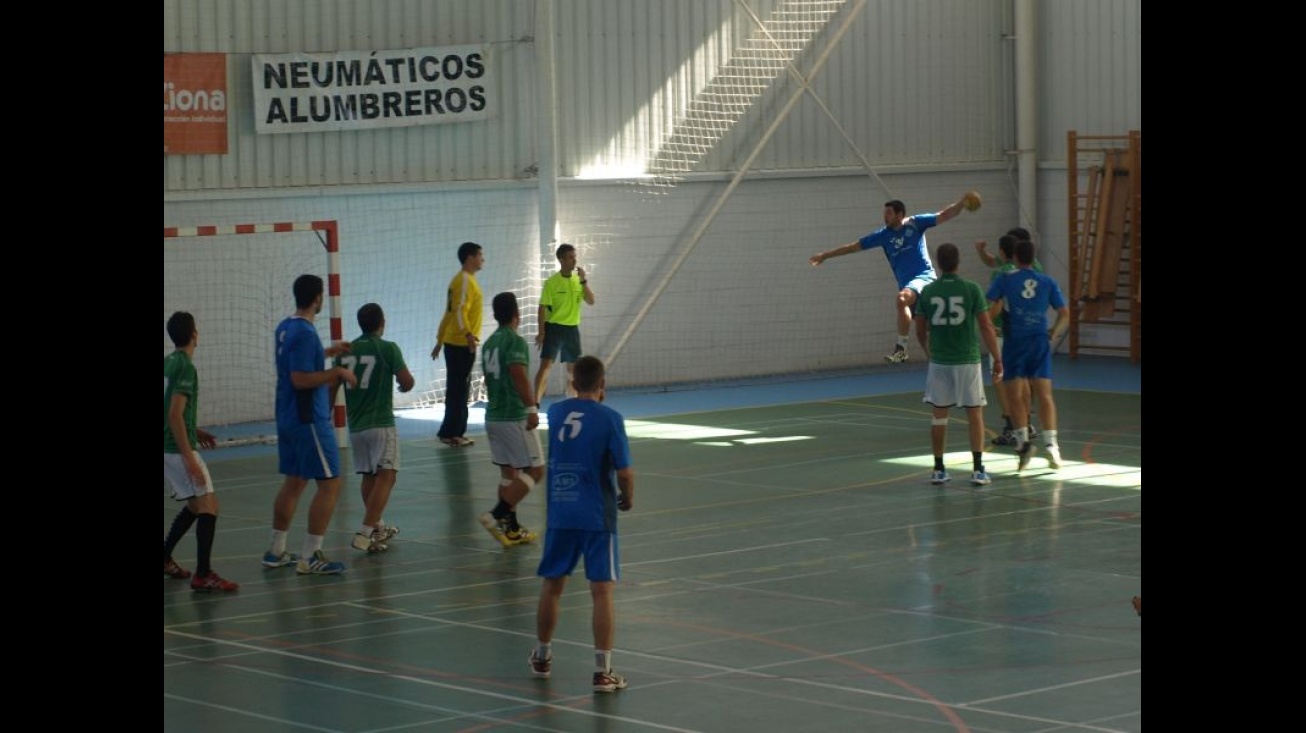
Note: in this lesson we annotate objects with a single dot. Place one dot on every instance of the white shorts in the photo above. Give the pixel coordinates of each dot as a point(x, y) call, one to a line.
point(512, 445)
point(955, 385)
point(183, 488)
point(375, 449)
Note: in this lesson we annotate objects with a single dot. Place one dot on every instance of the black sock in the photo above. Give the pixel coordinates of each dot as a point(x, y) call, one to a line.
point(938, 463)
point(206, 527)
point(977, 458)
point(180, 524)
point(1006, 420)
point(501, 510)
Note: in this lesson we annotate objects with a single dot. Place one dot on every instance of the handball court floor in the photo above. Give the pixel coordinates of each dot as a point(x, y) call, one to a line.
point(786, 567)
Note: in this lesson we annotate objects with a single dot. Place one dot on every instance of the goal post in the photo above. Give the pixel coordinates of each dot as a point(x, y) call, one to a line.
point(238, 289)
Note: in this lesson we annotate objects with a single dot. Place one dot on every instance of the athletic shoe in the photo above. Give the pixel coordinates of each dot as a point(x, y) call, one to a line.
point(279, 561)
point(211, 582)
point(318, 564)
point(1054, 456)
point(389, 532)
point(374, 542)
point(1007, 439)
point(980, 478)
point(518, 535)
point(457, 441)
point(898, 356)
point(175, 571)
point(940, 477)
point(609, 682)
point(493, 526)
point(1025, 453)
point(540, 668)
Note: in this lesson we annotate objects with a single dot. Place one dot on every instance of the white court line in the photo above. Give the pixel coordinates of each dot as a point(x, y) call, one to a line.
point(514, 699)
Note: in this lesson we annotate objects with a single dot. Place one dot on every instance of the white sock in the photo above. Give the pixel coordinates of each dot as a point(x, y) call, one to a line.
point(367, 529)
point(1049, 437)
point(543, 651)
point(278, 542)
point(602, 660)
point(312, 543)
point(902, 341)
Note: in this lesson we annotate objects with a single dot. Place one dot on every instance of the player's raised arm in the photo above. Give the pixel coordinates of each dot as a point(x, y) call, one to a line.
point(969, 201)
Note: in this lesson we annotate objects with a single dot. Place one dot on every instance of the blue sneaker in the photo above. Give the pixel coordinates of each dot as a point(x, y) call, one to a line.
point(279, 561)
point(939, 477)
point(980, 478)
point(318, 565)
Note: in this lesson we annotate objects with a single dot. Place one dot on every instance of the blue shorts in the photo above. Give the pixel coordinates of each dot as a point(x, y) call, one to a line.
point(1027, 356)
point(563, 548)
point(918, 282)
point(559, 338)
point(308, 451)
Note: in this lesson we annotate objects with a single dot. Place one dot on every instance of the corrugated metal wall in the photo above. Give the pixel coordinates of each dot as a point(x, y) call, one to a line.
point(911, 83)
point(1090, 73)
point(496, 149)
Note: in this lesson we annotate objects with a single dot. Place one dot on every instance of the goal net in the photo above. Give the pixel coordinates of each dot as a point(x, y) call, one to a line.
point(236, 280)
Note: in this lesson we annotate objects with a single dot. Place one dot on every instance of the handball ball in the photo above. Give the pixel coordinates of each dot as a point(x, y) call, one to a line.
point(972, 201)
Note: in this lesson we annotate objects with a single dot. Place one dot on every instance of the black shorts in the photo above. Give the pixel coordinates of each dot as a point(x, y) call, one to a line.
point(559, 338)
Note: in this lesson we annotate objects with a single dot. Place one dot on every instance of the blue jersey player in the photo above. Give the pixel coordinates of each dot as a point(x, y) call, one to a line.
point(903, 240)
point(590, 479)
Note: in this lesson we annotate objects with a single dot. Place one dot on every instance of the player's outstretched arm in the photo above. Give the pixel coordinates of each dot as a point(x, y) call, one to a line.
point(846, 249)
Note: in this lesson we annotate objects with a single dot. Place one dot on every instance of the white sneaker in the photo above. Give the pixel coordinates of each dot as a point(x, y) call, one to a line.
point(1054, 456)
point(939, 478)
point(374, 542)
point(898, 356)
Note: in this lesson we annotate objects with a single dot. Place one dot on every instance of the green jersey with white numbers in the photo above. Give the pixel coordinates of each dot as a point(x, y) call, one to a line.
point(375, 362)
point(504, 348)
point(952, 305)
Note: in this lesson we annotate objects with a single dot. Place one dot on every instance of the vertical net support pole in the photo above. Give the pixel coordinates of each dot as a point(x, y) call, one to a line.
point(335, 311)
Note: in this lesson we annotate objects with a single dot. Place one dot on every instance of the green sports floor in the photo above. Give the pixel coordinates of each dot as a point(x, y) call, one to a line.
point(787, 567)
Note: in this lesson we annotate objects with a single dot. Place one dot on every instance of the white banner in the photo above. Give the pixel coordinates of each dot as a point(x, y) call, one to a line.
point(364, 90)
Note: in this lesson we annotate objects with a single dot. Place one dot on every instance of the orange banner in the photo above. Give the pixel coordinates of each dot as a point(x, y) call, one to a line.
point(194, 103)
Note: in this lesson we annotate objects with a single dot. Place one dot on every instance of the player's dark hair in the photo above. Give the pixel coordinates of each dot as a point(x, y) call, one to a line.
point(1007, 245)
point(181, 328)
point(949, 257)
point(563, 249)
point(505, 308)
point(897, 206)
point(1024, 252)
point(467, 249)
point(587, 373)
point(1020, 233)
point(370, 318)
point(306, 290)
